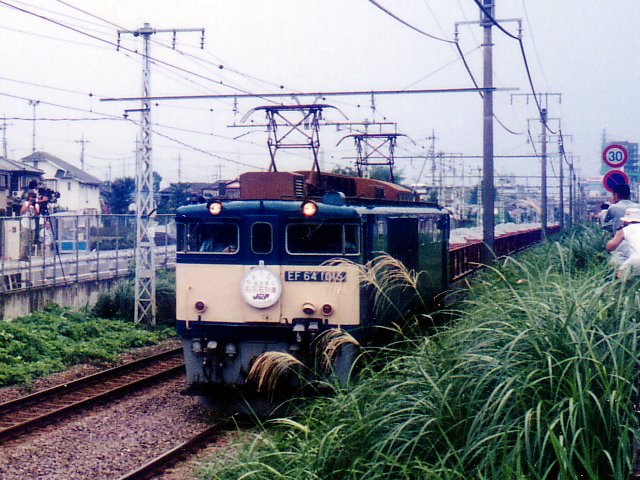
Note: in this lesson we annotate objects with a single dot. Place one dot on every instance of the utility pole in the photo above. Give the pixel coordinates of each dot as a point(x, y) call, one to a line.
point(487, 19)
point(5, 152)
point(542, 101)
point(561, 161)
point(145, 287)
point(82, 143)
point(488, 220)
point(543, 179)
point(34, 104)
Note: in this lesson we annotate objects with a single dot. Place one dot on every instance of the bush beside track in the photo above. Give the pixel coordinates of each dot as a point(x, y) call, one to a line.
point(55, 338)
point(535, 379)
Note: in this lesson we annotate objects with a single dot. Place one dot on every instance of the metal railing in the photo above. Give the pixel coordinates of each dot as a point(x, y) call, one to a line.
point(83, 248)
point(98, 247)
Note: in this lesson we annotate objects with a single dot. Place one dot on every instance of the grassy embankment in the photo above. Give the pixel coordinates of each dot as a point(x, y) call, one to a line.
point(54, 338)
point(533, 381)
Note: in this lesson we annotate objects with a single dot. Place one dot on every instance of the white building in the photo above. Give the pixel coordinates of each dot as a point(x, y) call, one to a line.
point(79, 191)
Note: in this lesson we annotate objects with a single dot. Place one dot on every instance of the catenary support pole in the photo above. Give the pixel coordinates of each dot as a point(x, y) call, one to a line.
point(145, 280)
point(488, 220)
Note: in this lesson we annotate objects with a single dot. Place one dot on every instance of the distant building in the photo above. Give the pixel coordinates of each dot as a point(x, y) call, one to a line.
point(219, 189)
point(14, 179)
point(79, 191)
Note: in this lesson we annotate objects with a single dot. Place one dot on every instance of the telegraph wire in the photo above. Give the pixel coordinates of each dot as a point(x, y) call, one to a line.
point(205, 152)
point(41, 85)
point(48, 37)
point(533, 42)
point(407, 24)
point(460, 53)
point(524, 58)
point(177, 50)
point(67, 107)
point(60, 14)
point(494, 21)
point(108, 42)
point(49, 119)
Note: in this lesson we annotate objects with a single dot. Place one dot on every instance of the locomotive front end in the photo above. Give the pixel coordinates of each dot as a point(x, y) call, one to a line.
point(252, 277)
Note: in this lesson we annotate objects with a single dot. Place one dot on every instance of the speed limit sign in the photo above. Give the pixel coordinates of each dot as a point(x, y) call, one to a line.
point(615, 155)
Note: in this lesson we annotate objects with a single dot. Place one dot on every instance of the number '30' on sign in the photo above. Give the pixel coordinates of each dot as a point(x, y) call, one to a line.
point(615, 155)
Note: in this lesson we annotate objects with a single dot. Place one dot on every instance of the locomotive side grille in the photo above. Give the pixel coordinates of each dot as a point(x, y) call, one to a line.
point(298, 187)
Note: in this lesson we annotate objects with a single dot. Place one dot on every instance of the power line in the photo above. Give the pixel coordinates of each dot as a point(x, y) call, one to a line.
point(524, 58)
point(108, 42)
point(321, 95)
point(454, 42)
point(407, 24)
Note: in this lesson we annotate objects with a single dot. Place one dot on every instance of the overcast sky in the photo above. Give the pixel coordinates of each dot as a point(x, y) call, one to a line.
point(63, 54)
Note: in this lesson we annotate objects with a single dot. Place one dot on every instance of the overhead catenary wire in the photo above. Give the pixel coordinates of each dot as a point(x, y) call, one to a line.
point(524, 59)
point(109, 42)
point(452, 42)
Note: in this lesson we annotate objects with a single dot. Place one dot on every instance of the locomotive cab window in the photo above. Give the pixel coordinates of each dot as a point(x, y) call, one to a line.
point(213, 238)
point(261, 238)
point(323, 239)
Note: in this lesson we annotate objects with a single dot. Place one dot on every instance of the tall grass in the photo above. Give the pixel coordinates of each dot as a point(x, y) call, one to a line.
point(534, 381)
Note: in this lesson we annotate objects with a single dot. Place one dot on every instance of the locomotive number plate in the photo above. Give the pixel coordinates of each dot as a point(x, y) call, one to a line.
point(309, 276)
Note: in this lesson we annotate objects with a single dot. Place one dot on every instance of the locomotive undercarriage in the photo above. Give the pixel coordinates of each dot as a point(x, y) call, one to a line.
point(215, 357)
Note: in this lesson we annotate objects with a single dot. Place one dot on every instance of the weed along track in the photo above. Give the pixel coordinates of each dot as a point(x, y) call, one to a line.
point(27, 413)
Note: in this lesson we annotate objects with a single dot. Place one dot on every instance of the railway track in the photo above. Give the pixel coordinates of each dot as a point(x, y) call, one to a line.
point(29, 412)
point(165, 460)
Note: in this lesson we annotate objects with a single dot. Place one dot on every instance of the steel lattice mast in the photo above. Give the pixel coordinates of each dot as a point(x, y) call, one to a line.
point(145, 288)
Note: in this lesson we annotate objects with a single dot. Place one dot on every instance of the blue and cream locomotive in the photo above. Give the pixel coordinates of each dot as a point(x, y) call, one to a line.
point(259, 274)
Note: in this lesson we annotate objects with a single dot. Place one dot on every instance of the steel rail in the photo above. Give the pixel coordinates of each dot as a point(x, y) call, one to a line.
point(29, 411)
point(170, 457)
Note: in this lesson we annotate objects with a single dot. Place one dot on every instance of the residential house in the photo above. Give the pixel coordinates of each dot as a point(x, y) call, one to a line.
point(14, 179)
point(220, 189)
point(79, 191)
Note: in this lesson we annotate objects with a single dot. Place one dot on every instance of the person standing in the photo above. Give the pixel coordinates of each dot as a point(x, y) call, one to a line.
point(620, 202)
point(46, 238)
point(29, 210)
point(629, 234)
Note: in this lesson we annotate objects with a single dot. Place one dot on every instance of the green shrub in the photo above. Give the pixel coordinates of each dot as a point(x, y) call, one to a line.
point(120, 302)
point(49, 340)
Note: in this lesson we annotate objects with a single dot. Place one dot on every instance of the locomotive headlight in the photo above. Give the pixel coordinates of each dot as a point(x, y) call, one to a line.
point(215, 208)
point(200, 307)
point(327, 309)
point(309, 208)
point(196, 346)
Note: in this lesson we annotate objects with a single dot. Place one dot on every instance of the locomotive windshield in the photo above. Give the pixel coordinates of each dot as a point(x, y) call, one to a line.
point(212, 238)
point(323, 239)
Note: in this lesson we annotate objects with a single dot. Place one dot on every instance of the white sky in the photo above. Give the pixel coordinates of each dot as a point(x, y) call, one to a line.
point(587, 50)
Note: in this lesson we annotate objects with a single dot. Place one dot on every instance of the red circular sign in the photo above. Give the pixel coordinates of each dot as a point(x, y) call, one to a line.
point(613, 178)
point(615, 155)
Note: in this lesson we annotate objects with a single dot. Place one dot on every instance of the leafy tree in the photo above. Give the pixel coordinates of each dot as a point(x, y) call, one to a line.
point(383, 173)
point(122, 194)
point(377, 173)
point(350, 171)
point(157, 178)
point(179, 196)
point(473, 195)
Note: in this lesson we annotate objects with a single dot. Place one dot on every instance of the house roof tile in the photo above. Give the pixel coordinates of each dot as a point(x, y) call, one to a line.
point(65, 169)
